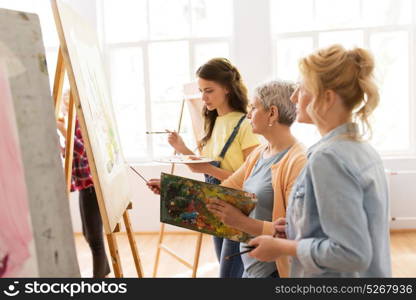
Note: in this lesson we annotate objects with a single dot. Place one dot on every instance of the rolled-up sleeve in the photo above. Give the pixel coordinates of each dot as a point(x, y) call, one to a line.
point(340, 206)
point(304, 254)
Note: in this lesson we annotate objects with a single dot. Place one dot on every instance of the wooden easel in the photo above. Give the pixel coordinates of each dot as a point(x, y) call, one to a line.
point(161, 246)
point(64, 66)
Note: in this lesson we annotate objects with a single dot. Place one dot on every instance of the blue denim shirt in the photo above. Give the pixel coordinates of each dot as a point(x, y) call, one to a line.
point(339, 210)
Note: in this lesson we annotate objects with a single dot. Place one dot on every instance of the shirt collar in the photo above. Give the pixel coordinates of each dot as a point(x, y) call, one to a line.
point(345, 129)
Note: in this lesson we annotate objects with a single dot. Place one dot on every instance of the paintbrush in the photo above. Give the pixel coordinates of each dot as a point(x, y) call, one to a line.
point(249, 248)
point(139, 174)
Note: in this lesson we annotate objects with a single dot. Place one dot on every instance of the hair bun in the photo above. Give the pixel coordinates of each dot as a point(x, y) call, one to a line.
point(364, 61)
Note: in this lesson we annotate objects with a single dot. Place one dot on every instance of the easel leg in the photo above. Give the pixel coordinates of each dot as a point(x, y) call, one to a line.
point(161, 234)
point(58, 83)
point(115, 256)
point(69, 143)
point(162, 226)
point(197, 252)
point(133, 246)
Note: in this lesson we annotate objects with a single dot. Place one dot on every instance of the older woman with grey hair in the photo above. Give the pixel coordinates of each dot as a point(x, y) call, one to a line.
point(269, 171)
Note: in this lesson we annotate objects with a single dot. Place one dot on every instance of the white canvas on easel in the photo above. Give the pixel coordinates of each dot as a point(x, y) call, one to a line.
point(80, 57)
point(193, 100)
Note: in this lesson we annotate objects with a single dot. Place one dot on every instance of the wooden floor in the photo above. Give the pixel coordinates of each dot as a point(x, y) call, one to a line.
point(403, 250)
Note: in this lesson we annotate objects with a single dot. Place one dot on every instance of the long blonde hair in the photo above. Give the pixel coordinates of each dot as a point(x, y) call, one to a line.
point(349, 73)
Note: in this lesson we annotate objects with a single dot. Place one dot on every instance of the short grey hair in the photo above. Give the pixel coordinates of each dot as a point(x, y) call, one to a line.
point(277, 93)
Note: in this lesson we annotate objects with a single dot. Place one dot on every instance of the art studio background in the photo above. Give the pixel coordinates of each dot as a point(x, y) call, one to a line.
point(151, 48)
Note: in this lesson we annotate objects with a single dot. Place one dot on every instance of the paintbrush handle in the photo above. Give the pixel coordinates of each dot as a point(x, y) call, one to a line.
point(134, 170)
point(249, 248)
point(156, 132)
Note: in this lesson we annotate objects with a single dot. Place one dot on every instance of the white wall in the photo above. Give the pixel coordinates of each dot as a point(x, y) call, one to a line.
point(249, 53)
point(402, 191)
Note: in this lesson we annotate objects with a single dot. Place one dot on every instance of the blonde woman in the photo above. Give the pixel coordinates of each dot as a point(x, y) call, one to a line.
point(337, 218)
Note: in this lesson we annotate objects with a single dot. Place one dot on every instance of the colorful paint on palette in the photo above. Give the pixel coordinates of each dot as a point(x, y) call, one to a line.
point(183, 203)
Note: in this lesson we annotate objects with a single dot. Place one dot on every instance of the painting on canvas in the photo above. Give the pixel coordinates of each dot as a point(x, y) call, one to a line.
point(183, 203)
point(88, 80)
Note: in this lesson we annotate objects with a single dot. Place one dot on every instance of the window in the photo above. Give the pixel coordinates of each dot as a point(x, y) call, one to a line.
point(153, 48)
point(385, 27)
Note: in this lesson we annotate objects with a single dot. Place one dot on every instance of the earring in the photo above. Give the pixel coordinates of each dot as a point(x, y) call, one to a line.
point(270, 124)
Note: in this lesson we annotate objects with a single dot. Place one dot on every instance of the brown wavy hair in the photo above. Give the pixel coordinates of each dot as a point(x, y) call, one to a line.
point(221, 71)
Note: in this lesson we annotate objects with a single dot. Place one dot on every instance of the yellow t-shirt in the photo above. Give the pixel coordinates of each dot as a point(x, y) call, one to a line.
point(245, 138)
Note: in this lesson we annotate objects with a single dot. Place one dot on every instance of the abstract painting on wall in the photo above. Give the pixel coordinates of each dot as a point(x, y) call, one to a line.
point(183, 203)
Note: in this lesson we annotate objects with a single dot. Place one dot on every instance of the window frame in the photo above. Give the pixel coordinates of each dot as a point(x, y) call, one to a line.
point(192, 41)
